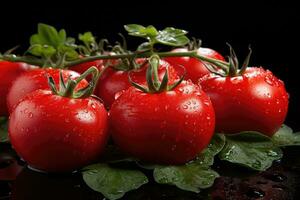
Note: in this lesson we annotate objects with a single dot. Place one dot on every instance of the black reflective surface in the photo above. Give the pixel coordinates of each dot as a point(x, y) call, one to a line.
point(281, 181)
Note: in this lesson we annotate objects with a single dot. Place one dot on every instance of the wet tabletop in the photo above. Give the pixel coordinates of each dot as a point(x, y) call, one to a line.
point(281, 181)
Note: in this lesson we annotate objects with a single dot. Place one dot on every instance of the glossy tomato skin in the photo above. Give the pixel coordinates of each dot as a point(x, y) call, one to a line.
point(113, 81)
point(195, 69)
point(58, 134)
point(34, 80)
point(81, 68)
point(9, 71)
point(255, 101)
point(165, 128)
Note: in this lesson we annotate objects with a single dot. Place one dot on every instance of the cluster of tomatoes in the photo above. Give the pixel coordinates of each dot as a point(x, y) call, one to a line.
point(54, 131)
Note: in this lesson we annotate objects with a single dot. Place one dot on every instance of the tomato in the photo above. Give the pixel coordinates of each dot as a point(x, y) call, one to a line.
point(81, 68)
point(9, 71)
point(33, 80)
point(170, 127)
point(56, 134)
point(113, 81)
point(195, 68)
point(253, 101)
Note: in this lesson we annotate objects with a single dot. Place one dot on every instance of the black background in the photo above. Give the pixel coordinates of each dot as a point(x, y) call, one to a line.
point(271, 29)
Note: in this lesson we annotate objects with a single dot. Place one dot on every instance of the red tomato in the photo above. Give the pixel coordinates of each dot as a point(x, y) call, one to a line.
point(36, 79)
point(195, 69)
point(113, 81)
point(81, 68)
point(254, 101)
point(169, 127)
point(9, 71)
point(56, 134)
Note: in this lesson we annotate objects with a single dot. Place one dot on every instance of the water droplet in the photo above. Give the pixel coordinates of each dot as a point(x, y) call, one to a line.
point(255, 193)
point(166, 107)
point(67, 120)
point(207, 103)
point(93, 105)
point(279, 111)
point(272, 153)
point(269, 80)
point(185, 106)
point(208, 117)
point(30, 115)
point(156, 109)
point(277, 101)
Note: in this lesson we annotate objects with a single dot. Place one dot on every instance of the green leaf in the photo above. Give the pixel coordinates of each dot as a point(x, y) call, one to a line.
point(48, 42)
point(172, 37)
point(87, 38)
point(206, 157)
point(250, 149)
point(169, 36)
point(113, 183)
point(42, 50)
point(70, 52)
point(48, 35)
point(285, 137)
point(3, 130)
point(191, 177)
point(136, 30)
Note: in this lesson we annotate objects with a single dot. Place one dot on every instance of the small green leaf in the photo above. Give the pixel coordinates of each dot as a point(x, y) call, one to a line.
point(48, 42)
point(144, 47)
point(42, 50)
point(70, 52)
point(169, 36)
point(3, 130)
point(136, 30)
point(285, 137)
point(151, 31)
point(191, 177)
point(250, 149)
point(87, 38)
point(172, 37)
point(206, 157)
point(113, 183)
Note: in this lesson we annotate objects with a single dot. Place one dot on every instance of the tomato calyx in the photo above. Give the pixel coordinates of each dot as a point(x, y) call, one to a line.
point(234, 69)
point(67, 89)
point(153, 83)
point(194, 44)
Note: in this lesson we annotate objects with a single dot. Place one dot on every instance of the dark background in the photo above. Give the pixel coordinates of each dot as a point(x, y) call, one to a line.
point(271, 29)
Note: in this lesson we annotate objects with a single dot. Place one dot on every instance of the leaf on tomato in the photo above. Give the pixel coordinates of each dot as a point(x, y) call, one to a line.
point(3, 130)
point(250, 149)
point(285, 137)
point(87, 38)
point(141, 31)
point(48, 41)
point(42, 50)
point(169, 36)
point(113, 183)
point(172, 37)
point(206, 157)
point(191, 177)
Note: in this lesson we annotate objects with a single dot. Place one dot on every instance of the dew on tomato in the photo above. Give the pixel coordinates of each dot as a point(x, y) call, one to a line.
point(163, 128)
point(254, 101)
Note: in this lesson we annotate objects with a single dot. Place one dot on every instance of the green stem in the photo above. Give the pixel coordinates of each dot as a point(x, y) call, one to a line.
point(28, 60)
point(221, 64)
